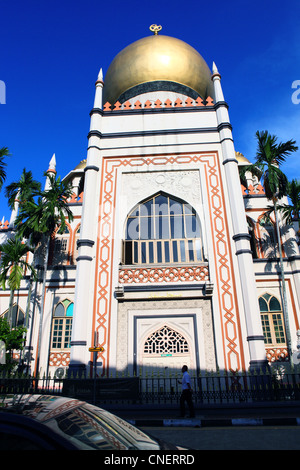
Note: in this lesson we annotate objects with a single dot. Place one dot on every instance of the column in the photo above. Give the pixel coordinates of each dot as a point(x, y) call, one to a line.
point(85, 271)
point(241, 236)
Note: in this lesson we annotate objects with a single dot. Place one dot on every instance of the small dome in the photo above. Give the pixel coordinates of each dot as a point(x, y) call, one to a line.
point(156, 63)
point(81, 165)
point(241, 159)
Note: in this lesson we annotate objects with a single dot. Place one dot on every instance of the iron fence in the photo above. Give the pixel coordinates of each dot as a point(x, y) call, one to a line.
point(209, 388)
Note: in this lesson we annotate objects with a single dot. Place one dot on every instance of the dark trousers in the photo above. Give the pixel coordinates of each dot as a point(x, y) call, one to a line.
point(186, 396)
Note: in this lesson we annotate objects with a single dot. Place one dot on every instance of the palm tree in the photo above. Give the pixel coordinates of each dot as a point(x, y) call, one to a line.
point(21, 191)
point(38, 219)
point(24, 190)
point(12, 268)
point(269, 157)
point(3, 153)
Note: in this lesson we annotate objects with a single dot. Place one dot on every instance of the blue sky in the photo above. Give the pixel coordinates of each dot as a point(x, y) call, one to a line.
point(51, 53)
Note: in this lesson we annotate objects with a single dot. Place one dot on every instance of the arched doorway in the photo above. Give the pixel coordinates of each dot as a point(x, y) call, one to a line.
point(165, 351)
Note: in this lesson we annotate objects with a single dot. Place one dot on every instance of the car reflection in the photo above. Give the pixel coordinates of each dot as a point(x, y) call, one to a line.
point(72, 423)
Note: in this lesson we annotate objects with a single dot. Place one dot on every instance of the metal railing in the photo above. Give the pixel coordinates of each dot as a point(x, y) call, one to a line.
point(209, 388)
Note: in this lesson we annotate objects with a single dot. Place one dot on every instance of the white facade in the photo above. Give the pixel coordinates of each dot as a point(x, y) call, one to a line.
point(170, 305)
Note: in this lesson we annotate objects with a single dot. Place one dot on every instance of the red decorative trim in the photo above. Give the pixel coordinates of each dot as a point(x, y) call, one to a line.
point(108, 107)
point(163, 274)
point(59, 359)
point(4, 226)
point(251, 191)
point(277, 354)
point(224, 278)
point(74, 199)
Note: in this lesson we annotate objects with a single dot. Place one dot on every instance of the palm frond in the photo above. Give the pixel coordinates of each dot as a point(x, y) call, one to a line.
point(270, 155)
point(13, 263)
point(254, 169)
point(4, 152)
point(25, 189)
point(291, 211)
point(50, 210)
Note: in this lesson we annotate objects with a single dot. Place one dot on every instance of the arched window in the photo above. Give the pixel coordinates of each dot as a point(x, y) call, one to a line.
point(272, 320)
point(162, 229)
point(59, 248)
point(166, 341)
point(62, 325)
point(18, 316)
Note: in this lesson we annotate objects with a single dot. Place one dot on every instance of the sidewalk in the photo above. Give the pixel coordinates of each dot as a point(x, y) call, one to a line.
point(259, 414)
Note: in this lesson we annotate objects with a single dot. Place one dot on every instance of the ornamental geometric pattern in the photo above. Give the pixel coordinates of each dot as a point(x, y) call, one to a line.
point(221, 249)
point(171, 274)
point(166, 341)
point(157, 104)
point(59, 359)
point(277, 355)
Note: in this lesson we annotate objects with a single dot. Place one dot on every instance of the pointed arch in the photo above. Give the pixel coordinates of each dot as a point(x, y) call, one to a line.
point(62, 325)
point(18, 315)
point(162, 229)
point(165, 340)
point(272, 322)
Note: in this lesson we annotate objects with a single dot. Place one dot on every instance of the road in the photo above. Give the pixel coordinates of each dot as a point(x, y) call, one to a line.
point(231, 438)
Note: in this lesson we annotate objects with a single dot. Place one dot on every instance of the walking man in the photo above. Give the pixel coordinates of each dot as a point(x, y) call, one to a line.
point(186, 393)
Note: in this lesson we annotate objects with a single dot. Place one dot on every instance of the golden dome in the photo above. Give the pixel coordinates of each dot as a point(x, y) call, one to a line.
point(81, 165)
point(241, 159)
point(156, 61)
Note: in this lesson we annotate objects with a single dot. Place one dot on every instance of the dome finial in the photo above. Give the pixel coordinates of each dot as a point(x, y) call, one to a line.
point(155, 28)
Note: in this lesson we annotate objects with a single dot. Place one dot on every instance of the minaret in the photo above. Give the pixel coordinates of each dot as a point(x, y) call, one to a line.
point(84, 297)
point(14, 213)
point(99, 86)
point(51, 169)
point(241, 236)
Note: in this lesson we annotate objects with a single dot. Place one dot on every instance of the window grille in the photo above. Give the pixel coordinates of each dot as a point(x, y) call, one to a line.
point(166, 341)
point(62, 325)
point(272, 320)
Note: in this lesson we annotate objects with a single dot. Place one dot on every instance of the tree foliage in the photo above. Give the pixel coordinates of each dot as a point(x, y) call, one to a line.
point(291, 211)
point(270, 156)
point(13, 263)
point(25, 189)
point(3, 153)
point(50, 209)
point(13, 340)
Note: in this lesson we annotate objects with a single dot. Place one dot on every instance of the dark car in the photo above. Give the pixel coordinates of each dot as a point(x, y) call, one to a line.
point(33, 422)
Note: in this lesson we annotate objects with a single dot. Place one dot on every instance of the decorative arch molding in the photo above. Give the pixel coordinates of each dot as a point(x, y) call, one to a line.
point(166, 340)
point(18, 315)
point(181, 184)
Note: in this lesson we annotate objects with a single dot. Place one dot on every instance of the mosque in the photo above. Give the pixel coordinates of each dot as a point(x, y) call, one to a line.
point(166, 261)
